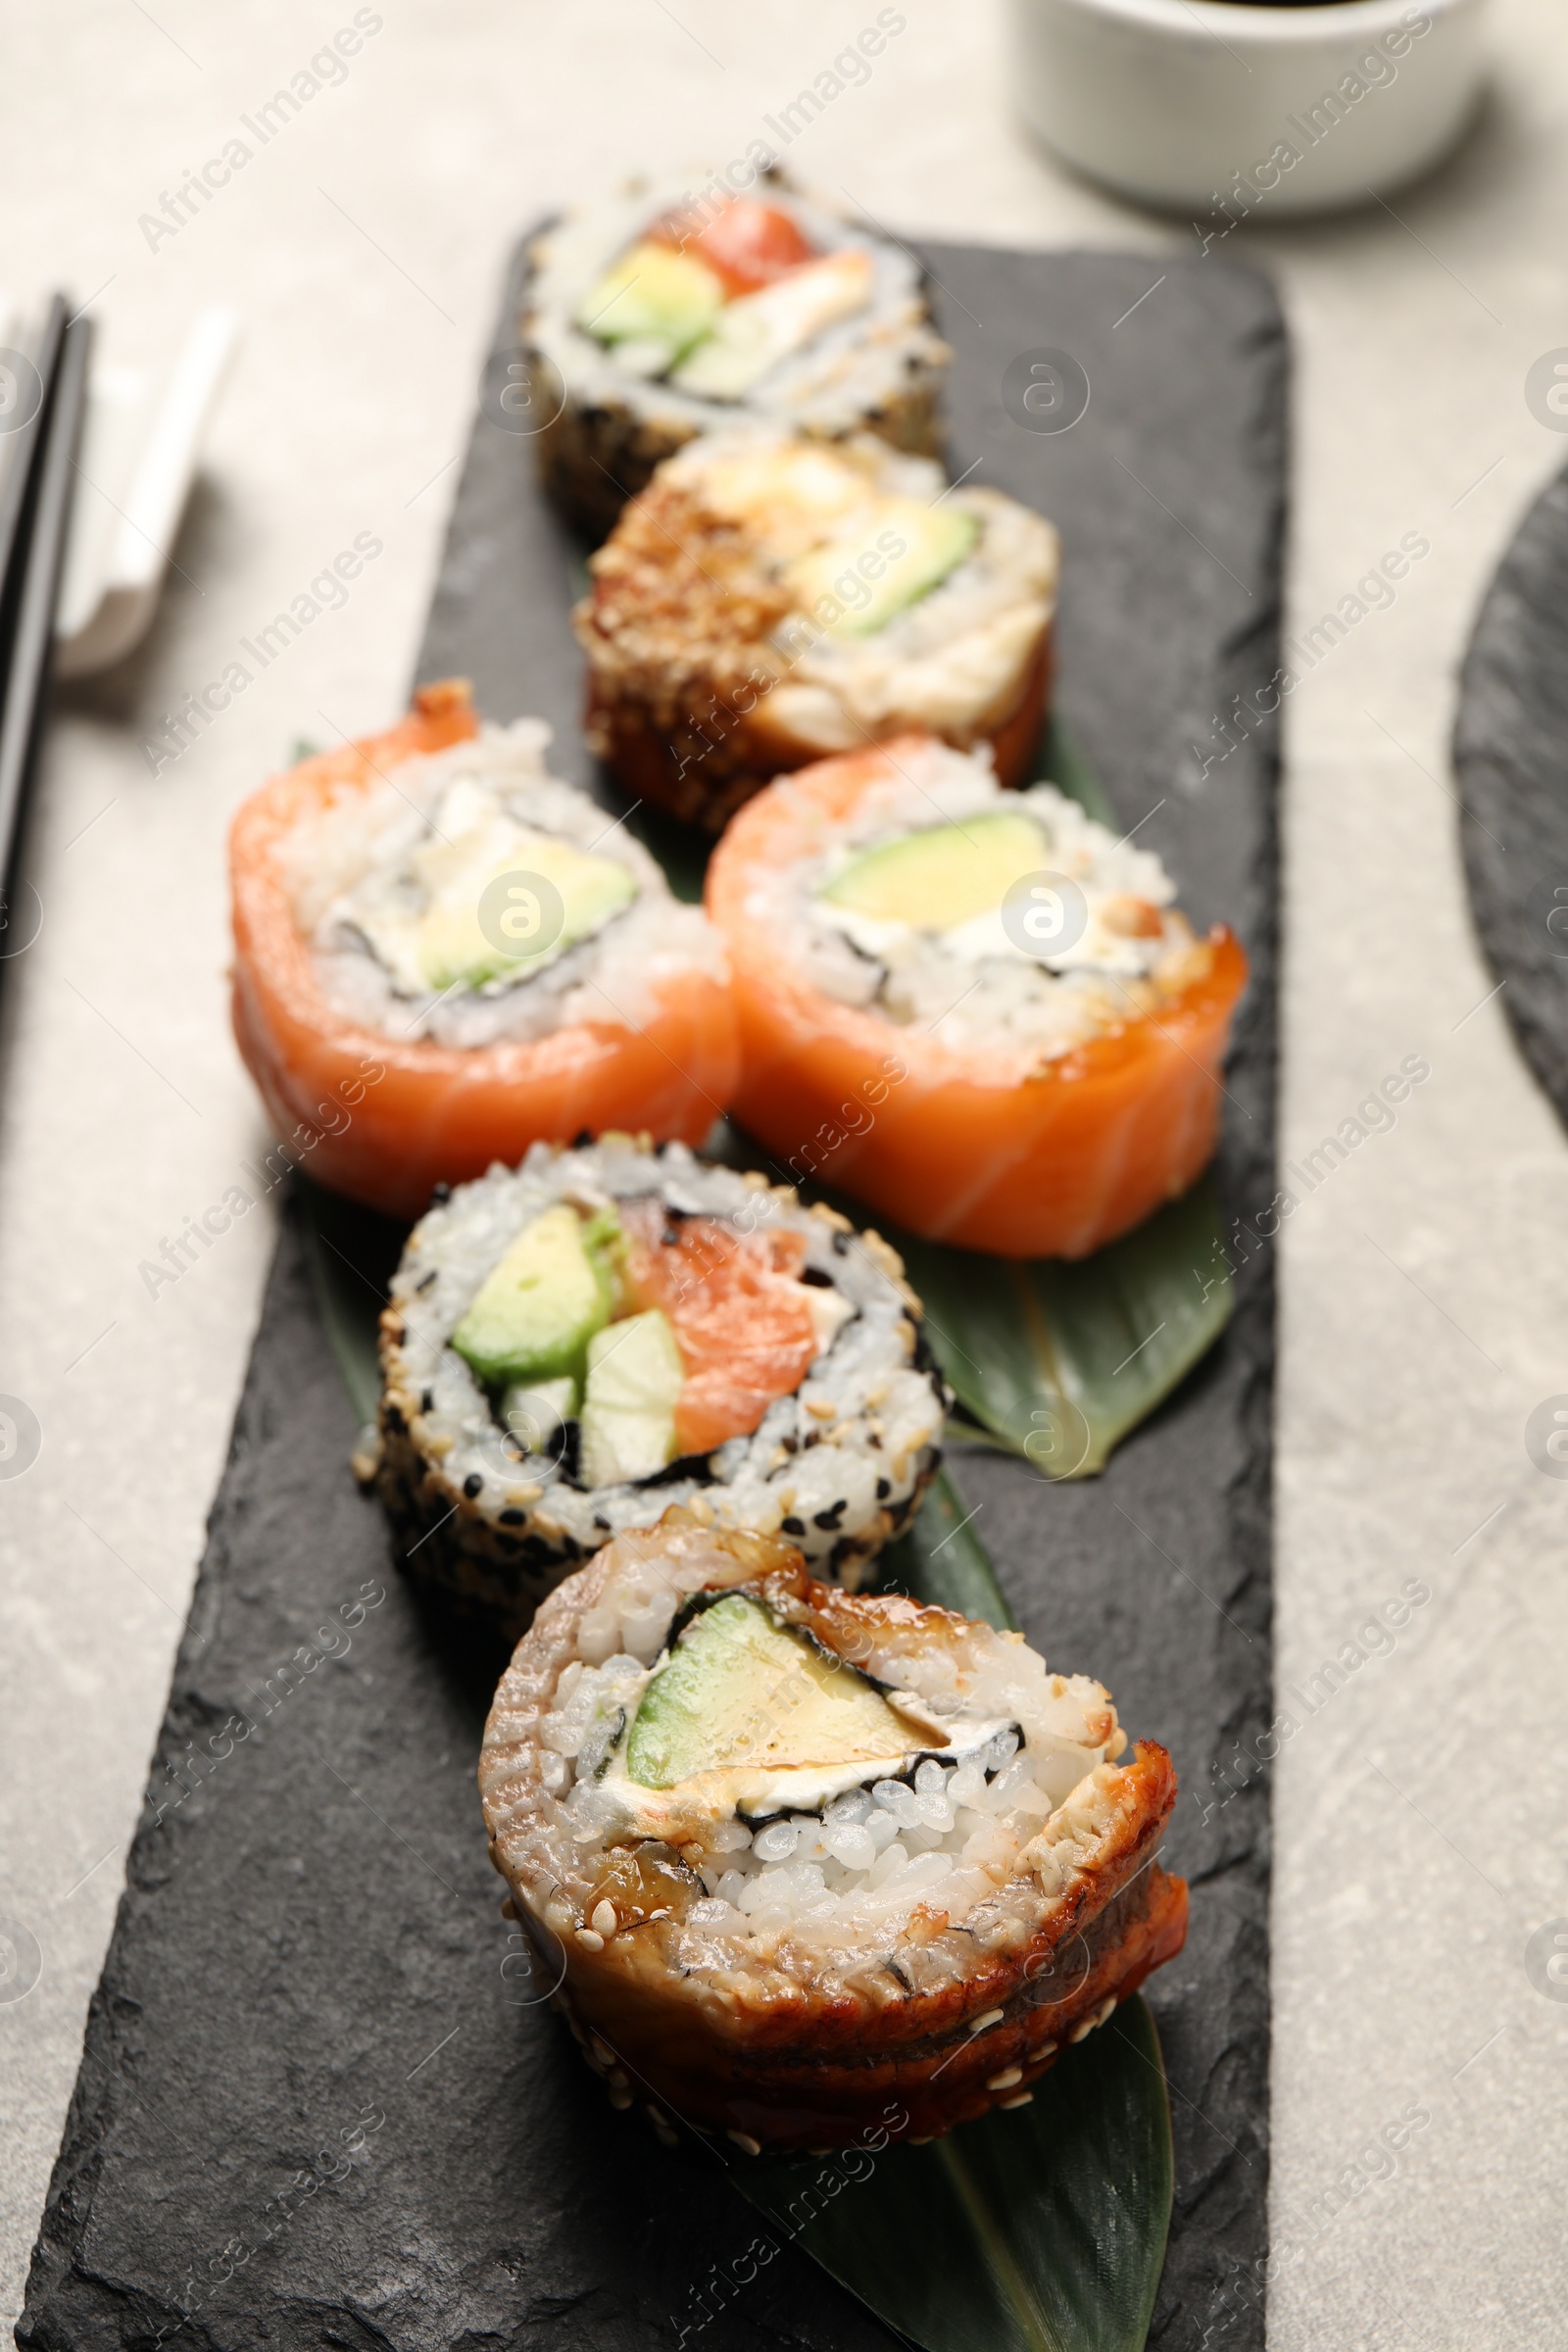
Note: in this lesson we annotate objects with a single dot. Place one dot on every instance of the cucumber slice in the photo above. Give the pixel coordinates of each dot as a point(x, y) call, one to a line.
point(635, 1377)
point(534, 1412)
point(752, 334)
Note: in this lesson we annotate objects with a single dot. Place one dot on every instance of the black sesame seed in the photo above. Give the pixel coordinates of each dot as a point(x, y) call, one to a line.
point(841, 1243)
point(884, 1487)
point(601, 1522)
point(813, 1437)
point(427, 1401)
point(828, 1520)
point(793, 1526)
point(583, 1138)
point(512, 1517)
point(816, 1278)
point(425, 1280)
point(442, 1193)
point(473, 1485)
point(792, 1445)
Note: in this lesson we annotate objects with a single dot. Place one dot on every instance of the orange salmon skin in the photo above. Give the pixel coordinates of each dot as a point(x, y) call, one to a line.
point(1054, 1165)
point(385, 1120)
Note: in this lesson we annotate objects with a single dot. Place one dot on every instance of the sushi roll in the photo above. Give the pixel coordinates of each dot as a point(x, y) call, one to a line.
point(795, 1861)
point(767, 602)
point(658, 315)
point(442, 955)
point(976, 1011)
point(574, 1345)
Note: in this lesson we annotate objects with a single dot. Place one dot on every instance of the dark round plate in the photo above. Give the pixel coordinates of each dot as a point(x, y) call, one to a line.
point(1511, 756)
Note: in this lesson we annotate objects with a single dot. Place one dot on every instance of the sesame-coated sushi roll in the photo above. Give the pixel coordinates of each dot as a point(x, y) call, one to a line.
point(663, 315)
point(767, 602)
point(796, 1861)
point(574, 1345)
point(442, 955)
point(976, 1011)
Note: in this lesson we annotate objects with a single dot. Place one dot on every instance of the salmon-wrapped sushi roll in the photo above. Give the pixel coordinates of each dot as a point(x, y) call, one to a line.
point(795, 1862)
point(576, 1344)
point(443, 956)
point(665, 313)
point(974, 1010)
point(767, 602)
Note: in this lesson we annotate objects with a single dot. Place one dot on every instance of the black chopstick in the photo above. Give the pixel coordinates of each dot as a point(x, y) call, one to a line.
point(22, 467)
point(32, 552)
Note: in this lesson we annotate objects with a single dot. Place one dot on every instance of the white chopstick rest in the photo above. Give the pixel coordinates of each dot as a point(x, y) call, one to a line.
point(140, 451)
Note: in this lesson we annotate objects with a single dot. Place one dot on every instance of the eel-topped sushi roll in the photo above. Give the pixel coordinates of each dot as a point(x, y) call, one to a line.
point(767, 602)
point(975, 1010)
point(796, 1861)
point(666, 314)
point(443, 955)
point(574, 1345)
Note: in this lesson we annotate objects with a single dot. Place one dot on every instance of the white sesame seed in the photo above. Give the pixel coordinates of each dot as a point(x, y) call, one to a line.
point(745, 2142)
point(619, 2098)
point(1008, 2076)
point(1105, 2008)
point(1022, 2100)
point(589, 1941)
point(992, 2017)
point(1079, 2032)
point(604, 1920)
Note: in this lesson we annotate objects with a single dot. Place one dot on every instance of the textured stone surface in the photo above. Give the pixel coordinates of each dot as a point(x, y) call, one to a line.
point(1511, 753)
point(310, 1941)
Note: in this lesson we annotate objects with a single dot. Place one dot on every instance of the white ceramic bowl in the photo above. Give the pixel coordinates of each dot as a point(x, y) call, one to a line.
point(1201, 105)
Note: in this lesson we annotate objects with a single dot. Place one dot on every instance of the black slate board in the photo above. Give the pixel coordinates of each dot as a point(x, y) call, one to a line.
point(310, 1945)
point(1512, 754)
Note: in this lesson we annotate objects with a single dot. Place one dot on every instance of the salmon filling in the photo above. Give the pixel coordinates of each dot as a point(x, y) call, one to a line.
point(741, 1315)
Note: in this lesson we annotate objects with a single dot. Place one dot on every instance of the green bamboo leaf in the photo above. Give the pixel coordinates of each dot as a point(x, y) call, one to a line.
point(1062, 762)
point(1058, 1361)
point(942, 1559)
point(352, 1252)
point(1051, 2220)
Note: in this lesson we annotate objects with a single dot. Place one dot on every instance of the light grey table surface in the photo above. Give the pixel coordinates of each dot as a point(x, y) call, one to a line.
point(1419, 1813)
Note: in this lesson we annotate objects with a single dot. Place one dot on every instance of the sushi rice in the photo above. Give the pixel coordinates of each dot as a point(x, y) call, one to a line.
point(934, 1922)
point(733, 632)
point(368, 873)
point(493, 1518)
point(875, 365)
point(981, 987)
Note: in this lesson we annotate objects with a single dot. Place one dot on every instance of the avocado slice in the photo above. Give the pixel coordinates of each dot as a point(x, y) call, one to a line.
point(494, 902)
point(653, 296)
point(465, 940)
point(943, 875)
point(535, 1312)
point(635, 1377)
point(897, 554)
point(741, 1690)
